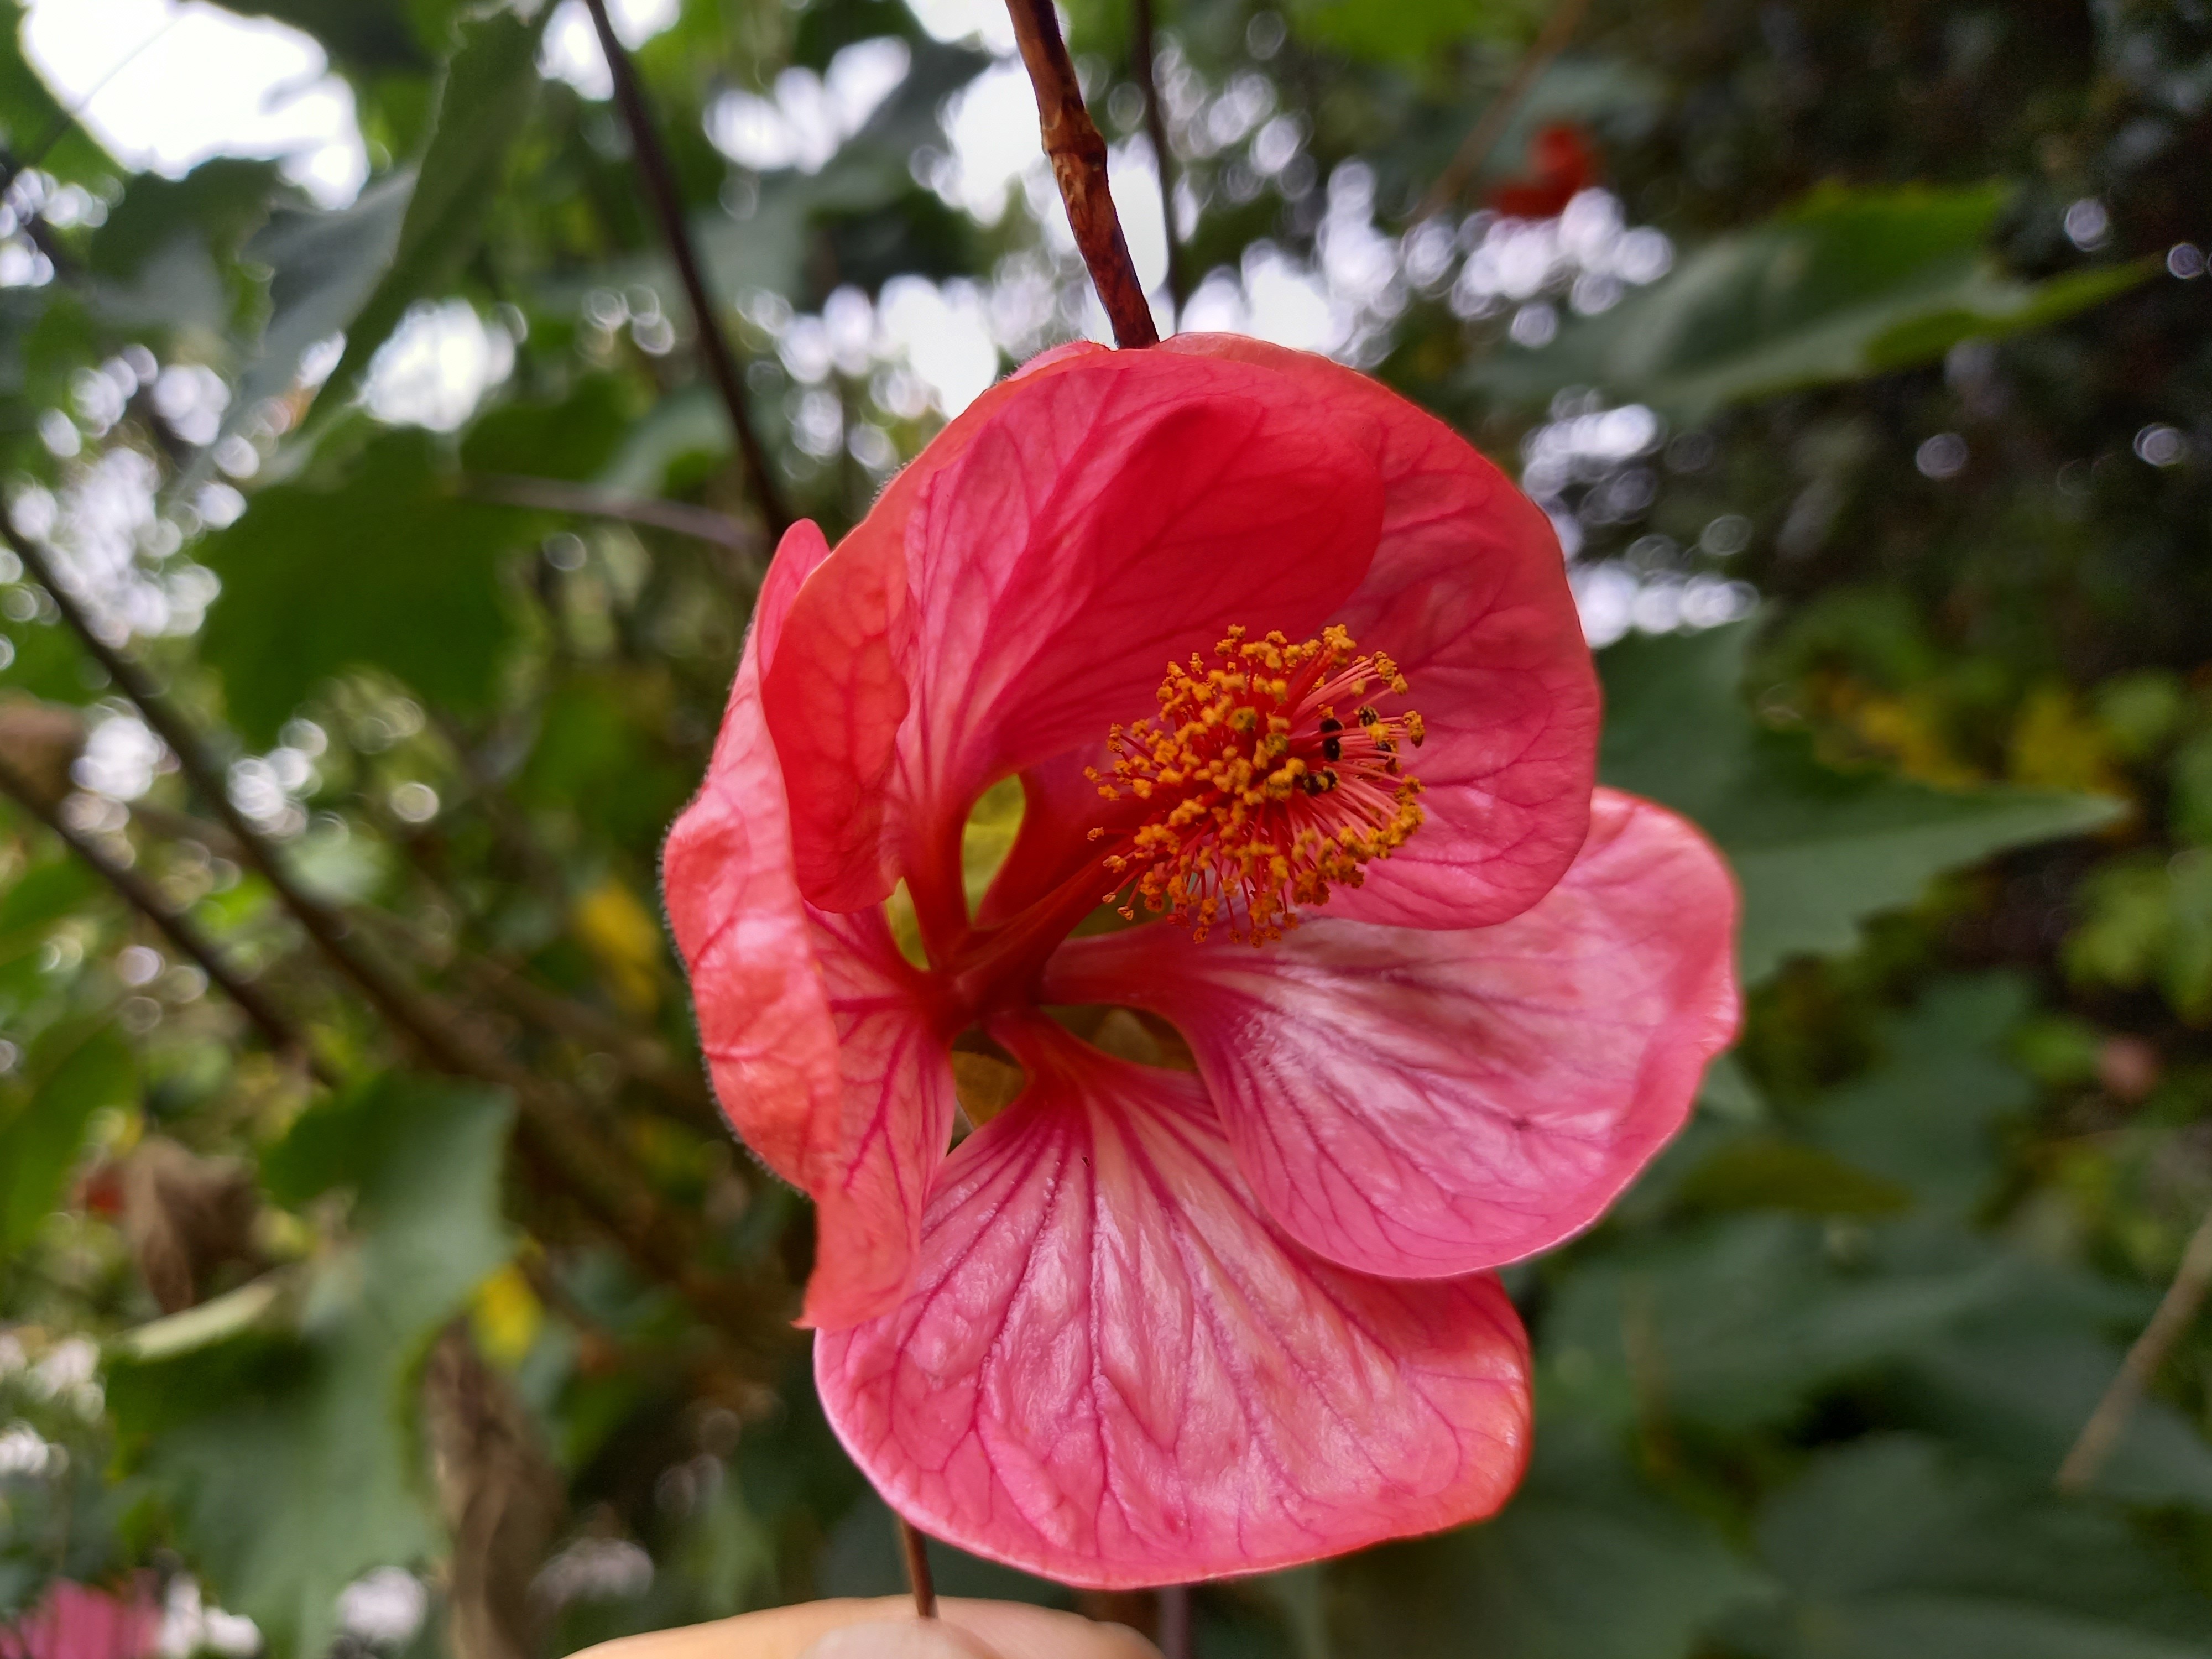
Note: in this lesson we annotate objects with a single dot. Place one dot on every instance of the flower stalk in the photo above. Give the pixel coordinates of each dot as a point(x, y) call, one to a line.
point(1078, 153)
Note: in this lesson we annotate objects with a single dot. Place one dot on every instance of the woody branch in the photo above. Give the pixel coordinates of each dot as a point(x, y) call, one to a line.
point(1078, 153)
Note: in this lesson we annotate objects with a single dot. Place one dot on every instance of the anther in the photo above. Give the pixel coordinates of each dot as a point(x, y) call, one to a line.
point(1263, 799)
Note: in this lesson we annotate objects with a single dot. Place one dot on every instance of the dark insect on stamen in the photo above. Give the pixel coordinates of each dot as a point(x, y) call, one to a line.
point(1330, 723)
point(1333, 748)
point(1368, 716)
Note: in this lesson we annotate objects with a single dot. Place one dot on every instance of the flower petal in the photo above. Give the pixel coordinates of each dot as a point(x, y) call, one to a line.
point(869, 1165)
point(1415, 1102)
point(734, 906)
point(1112, 512)
point(1468, 592)
point(819, 1040)
point(833, 711)
point(1112, 1373)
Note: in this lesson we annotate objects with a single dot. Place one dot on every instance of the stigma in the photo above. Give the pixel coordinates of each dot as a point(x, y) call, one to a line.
point(1274, 774)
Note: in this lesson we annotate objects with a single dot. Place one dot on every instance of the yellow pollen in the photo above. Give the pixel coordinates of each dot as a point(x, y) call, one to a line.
point(1272, 777)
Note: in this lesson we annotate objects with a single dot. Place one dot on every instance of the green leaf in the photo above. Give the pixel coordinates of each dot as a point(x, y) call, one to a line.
point(375, 36)
point(385, 569)
point(485, 97)
point(1767, 1172)
point(1815, 851)
point(1411, 33)
point(323, 267)
point(573, 439)
point(2019, 1385)
point(39, 896)
point(1891, 1550)
point(1583, 1563)
point(1745, 1321)
point(219, 204)
point(1846, 283)
point(163, 256)
point(72, 1071)
point(1924, 1118)
point(287, 1454)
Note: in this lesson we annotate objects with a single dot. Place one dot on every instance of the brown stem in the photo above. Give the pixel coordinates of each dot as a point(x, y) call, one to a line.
point(557, 496)
point(2180, 1305)
point(175, 926)
point(559, 1015)
point(591, 1168)
point(392, 999)
point(659, 176)
point(1174, 1621)
point(916, 1547)
point(1551, 40)
point(1078, 155)
point(1144, 55)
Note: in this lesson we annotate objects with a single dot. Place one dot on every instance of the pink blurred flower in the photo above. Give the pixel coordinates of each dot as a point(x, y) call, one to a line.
point(1149, 1325)
point(76, 1621)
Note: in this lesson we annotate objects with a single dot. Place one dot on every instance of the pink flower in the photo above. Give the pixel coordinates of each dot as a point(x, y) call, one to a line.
point(75, 1621)
point(1147, 1324)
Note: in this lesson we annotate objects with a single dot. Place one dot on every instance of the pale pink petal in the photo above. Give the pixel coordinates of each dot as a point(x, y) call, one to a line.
point(1468, 592)
point(816, 1032)
point(1116, 510)
point(734, 907)
point(869, 1163)
point(1112, 1372)
point(1413, 1103)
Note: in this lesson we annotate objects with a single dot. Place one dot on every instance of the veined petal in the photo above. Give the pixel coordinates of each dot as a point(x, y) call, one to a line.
point(1113, 1372)
point(834, 709)
point(733, 905)
point(815, 1028)
point(1468, 593)
point(1413, 1103)
point(869, 1163)
point(1111, 511)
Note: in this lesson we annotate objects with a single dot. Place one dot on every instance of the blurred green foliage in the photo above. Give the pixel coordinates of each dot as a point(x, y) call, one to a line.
point(1931, 376)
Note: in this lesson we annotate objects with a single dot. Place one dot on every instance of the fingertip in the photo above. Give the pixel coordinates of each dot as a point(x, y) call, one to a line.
point(899, 1638)
point(1013, 1629)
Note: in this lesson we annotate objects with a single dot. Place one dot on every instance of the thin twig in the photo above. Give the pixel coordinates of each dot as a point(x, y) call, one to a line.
point(652, 165)
point(1144, 54)
point(2176, 1309)
point(641, 1057)
point(1078, 155)
point(175, 926)
point(916, 1547)
point(556, 1138)
point(392, 999)
point(1551, 40)
point(702, 524)
point(1174, 1621)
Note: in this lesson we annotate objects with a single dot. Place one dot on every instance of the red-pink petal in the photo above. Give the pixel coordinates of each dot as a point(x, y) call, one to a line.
point(1113, 1372)
point(1411, 1103)
point(1468, 592)
point(821, 1046)
point(76, 1621)
point(834, 709)
point(1112, 512)
point(869, 1163)
point(733, 905)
